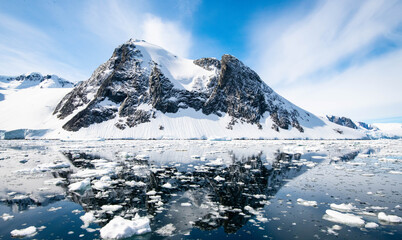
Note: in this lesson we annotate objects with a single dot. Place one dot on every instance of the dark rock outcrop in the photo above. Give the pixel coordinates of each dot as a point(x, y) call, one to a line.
point(343, 121)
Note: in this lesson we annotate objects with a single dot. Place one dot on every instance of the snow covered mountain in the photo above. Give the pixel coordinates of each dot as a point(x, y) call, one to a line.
point(34, 79)
point(145, 92)
point(372, 131)
point(27, 101)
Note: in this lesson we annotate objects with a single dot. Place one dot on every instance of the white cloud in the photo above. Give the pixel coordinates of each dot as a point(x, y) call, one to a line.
point(362, 92)
point(297, 55)
point(168, 35)
point(117, 22)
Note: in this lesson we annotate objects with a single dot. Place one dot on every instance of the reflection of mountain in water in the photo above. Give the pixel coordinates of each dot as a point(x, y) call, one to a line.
point(219, 195)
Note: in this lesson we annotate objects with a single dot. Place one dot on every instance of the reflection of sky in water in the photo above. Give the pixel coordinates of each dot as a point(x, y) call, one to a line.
point(237, 189)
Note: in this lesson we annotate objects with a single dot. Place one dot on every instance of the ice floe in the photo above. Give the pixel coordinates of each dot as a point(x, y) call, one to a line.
point(166, 230)
point(29, 231)
point(343, 207)
point(389, 218)
point(119, 227)
point(300, 201)
point(344, 218)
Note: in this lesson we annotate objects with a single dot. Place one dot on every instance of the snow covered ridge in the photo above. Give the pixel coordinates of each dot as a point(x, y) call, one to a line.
point(146, 92)
point(34, 80)
point(372, 131)
point(27, 102)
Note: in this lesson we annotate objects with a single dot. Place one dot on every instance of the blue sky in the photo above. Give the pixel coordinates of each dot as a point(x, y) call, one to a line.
point(330, 57)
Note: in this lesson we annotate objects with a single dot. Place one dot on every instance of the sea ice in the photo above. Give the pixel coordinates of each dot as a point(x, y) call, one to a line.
point(7, 216)
point(166, 230)
point(306, 203)
point(87, 218)
point(112, 208)
point(344, 218)
point(29, 231)
point(219, 178)
point(119, 227)
point(371, 225)
point(80, 186)
point(389, 218)
point(342, 207)
point(167, 185)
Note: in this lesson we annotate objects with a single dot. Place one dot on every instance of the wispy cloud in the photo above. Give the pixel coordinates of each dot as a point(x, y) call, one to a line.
point(322, 59)
point(116, 22)
point(25, 48)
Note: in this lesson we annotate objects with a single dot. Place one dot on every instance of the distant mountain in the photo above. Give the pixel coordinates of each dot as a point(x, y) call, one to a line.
point(34, 80)
point(27, 101)
point(372, 131)
point(144, 91)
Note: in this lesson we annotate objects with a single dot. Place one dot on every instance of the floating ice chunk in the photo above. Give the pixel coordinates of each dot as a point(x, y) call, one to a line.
point(262, 219)
point(55, 181)
point(306, 203)
point(29, 231)
point(7, 216)
point(395, 172)
point(166, 230)
point(87, 219)
point(371, 225)
point(389, 218)
point(112, 208)
point(54, 209)
point(219, 178)
point(342, 207)
point(119, 227)
point(186, 204)
point(150, 193)
point(89, 173)
point(80, 186)
point(378, 208)
point(216, 162)
point(106, 179)
point(368, 174)
point(100, 185)
point(167, 185)
point(136, 184)
point(251, 210)
point(344, 218)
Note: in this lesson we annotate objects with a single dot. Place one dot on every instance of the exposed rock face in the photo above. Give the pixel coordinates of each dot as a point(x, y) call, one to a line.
point(135, 85)
point(366, 126)
point(343, 121)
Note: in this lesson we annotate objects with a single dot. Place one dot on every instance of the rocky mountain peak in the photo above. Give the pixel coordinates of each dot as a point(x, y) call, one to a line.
point(141, 81)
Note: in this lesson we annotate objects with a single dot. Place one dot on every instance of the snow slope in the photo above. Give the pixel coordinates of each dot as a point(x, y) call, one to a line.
point(27, 101)
point(191, 124)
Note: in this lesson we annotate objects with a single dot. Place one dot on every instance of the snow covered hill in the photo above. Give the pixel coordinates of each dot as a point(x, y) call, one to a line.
point(372, 131)
point(27, 101)
point(145, 92)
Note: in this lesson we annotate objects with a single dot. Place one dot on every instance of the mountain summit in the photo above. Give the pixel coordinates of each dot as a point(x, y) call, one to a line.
point(144, 91)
